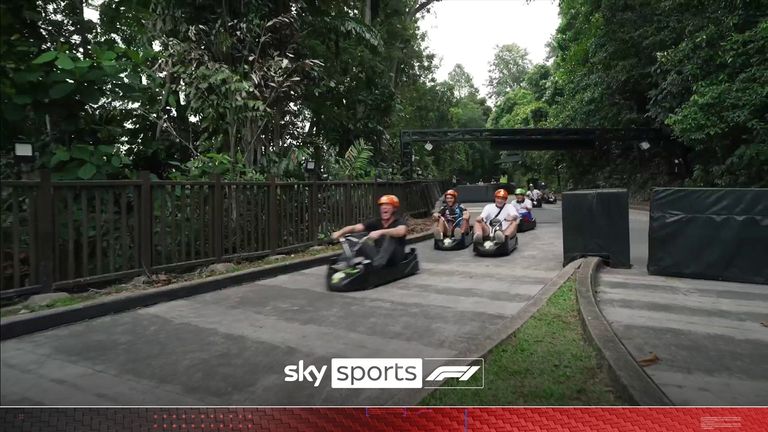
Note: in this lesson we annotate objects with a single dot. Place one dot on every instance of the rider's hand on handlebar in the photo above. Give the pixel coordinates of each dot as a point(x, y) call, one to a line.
point(435, 216)
point(336, 235)
point(373, 235)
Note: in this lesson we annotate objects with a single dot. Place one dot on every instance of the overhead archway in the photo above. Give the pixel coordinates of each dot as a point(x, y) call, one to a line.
point(526, 139)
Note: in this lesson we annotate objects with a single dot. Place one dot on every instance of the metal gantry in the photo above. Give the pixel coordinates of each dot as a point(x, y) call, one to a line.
point(525, 138)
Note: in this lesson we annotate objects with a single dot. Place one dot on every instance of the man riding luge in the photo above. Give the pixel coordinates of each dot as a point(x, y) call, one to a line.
point(497, 210)
point(523, 205)
point(452, 218)
point(388, 231)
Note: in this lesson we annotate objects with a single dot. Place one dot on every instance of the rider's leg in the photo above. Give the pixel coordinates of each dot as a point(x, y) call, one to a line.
point(388, 253)
point(465, 225)
point(481, 231)
point(444, 227)
point(441, 229)
point(368, 250)
point(511, 230)
point(459, 228)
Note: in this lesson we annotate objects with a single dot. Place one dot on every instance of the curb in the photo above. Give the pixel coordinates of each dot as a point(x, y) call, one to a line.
point(21, 325)
point(501, 333)
point(628, 376)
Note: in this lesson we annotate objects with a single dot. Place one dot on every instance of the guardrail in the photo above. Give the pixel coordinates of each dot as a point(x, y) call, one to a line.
point(64, 234)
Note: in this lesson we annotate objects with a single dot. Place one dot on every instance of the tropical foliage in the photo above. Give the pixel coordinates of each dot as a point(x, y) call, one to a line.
point(698, 73)
point(245, 89)
point(251, 89)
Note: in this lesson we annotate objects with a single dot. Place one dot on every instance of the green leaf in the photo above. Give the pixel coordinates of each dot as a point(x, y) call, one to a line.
point(84, 63)
point(90, 95)
point(59, 75)
point(86, 171)
point(27, 76)
point(93, 75)
point(172, 101)
point(12, 111)
point(133, 78)
point(116, 161)
point(82, 152)
point(45, 57)
point(61, 89)
point(106, 149)
point(107, 55)
point(22, 99)
point(61, 155)
point(64, 62)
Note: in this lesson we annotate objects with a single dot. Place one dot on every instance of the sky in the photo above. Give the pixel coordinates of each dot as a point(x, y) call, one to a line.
point(466, 32)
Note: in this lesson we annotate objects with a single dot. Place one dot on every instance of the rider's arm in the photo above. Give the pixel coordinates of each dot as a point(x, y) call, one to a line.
point(438, 212)
point(512, 215)
point(464, 213)
point(482, 215)
point(348, 230)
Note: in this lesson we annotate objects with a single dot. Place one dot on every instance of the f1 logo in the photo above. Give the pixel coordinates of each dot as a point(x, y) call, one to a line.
point(459, 372)
point(463, 373)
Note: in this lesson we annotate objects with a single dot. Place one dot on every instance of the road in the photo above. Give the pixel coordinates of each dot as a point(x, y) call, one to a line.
point(708, 335)
point(230, 347)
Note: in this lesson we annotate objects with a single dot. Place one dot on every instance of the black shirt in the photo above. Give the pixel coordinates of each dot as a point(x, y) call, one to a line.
point(375, 225)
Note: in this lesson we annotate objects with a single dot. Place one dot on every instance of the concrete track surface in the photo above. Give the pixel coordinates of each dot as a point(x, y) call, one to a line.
point(230, 347)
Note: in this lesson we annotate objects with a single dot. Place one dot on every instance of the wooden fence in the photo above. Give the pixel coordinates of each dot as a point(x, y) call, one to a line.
point(64, 234)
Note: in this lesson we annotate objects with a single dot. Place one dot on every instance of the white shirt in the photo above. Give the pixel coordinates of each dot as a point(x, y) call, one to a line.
point(525, 206)
point(508, 213)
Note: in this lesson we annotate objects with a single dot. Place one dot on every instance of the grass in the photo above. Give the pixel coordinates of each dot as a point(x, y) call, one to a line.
point(546, 362)
point(66, 301)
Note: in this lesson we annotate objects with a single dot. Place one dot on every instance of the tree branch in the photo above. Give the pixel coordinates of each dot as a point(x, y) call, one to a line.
point(420, 7)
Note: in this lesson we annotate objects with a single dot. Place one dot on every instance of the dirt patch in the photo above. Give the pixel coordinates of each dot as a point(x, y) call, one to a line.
point(418, 226)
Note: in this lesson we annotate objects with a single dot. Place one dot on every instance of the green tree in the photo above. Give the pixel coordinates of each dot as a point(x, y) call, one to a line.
point(462, 82)
point(508, 69)
point(537, 81)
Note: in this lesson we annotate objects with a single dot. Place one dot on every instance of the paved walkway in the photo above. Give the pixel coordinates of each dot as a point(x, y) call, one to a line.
point(708, 335)
point(230, 347)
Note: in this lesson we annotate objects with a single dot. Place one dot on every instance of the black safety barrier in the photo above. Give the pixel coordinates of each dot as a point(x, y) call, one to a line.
point(475, 193)
point(481, 193)
point(703, 233)
point(596, 223)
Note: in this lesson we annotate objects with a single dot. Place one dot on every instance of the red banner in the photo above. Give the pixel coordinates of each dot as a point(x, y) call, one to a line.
point(597, 419)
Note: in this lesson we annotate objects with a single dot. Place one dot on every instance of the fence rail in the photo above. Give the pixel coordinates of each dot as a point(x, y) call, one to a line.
point(64, 234)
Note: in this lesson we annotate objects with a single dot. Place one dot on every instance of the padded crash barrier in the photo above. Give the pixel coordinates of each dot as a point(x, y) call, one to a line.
point(481, 193)
point(703, 233)
point(596, 223)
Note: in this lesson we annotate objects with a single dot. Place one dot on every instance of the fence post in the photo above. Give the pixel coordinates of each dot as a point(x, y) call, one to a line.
point(273, 221)
point(348, 204)
point(45, 238)
point(375, 196)
point(145, 222)
point(314, 211)
point(218, 218)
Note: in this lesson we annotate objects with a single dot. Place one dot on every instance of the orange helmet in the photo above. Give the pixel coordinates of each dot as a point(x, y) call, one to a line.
point(390, 199)
point(501, 193)
point(452, 193)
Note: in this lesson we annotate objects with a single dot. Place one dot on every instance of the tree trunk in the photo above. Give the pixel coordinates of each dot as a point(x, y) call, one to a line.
point(79, 9)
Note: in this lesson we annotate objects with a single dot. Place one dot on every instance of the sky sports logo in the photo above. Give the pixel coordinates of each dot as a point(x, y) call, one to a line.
point(382, 373)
